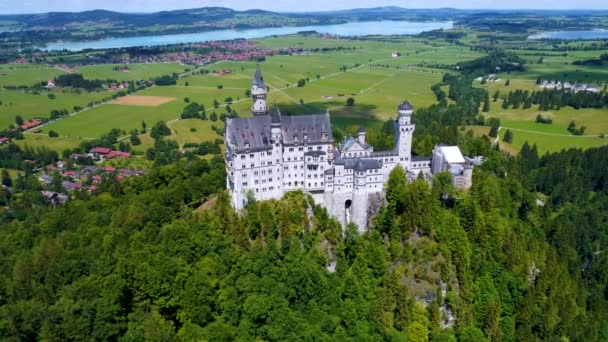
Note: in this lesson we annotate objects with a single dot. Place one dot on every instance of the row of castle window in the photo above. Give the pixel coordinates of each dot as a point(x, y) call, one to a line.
point(264, 189)
point(301, 149)
point(310, 185)
point(255, 173)
point(360, 154)
point(256, 182)
point(252, 165)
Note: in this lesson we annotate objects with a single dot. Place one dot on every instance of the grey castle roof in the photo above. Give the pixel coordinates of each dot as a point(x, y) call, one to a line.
point(258, 80)
point(294, 128)
point(405, 105)
point(249, 133)
point(361, 129)
point(360, 164)
point(256, 131)
point(275, 115)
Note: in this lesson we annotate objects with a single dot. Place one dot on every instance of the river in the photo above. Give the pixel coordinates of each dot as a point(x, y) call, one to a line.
point(348, 29)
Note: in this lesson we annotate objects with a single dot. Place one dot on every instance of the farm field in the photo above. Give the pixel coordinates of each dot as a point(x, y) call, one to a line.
point(555, 136)
point(29, 105)
point(26, 75)
point(135, 72)
point(377, 91)
point(37, 141)
point(376, 81)
point(550, 143)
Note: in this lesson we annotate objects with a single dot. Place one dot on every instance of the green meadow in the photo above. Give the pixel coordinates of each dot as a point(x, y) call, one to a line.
point(26, 74)
point(135, 72)
point(376, 81)
point(30, 105)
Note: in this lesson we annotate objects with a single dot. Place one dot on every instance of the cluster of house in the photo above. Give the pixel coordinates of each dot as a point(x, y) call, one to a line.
point(489, 78)
point(118, 86)
point(87, 178)
point(567, 86)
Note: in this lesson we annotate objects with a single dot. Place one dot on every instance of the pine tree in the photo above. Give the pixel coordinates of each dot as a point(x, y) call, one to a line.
point(486, 104)
point(508, 138)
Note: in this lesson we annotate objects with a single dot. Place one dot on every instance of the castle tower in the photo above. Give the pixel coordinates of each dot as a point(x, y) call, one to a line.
point(361, 135)
point(259, 92)
point(404, 131)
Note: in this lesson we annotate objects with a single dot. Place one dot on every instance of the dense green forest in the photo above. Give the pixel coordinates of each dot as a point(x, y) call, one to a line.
point(135, 262)
point(164, 257)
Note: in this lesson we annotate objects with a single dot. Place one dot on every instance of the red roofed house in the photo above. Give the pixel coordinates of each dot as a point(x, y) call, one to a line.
point(69, 174)
point(30, 124)
point(114, 154)
point(109, 169)
point(4, 140)
point(101, 150)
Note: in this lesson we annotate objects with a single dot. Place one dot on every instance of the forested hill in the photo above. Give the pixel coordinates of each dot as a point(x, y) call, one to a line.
point(135, 262)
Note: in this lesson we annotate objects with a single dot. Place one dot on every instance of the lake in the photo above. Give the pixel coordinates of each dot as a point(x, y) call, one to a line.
point(572, 35)
point(385, 27)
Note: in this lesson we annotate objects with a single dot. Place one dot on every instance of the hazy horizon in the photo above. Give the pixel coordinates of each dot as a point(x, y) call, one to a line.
point(148, 6)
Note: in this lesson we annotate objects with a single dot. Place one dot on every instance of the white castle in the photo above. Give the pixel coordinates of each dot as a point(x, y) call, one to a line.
point(270, 154)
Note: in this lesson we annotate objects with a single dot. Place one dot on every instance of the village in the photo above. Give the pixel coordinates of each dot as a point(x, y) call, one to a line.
point(82, 172)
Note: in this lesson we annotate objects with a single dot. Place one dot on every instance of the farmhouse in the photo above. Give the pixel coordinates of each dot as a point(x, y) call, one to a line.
point(30, 124)
point(104, 153)
point(270, 154)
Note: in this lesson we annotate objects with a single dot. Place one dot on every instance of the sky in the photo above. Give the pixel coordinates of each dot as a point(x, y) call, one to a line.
point(38, 6)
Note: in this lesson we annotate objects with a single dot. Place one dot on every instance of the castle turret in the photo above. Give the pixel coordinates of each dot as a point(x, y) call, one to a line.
point(259, 93)
point(404, 131)
point(361, 135)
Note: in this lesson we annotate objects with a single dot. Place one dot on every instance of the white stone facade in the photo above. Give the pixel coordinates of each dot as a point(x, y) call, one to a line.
point(269, 155)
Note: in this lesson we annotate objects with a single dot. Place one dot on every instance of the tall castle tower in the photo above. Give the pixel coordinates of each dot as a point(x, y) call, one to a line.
point(404, 131)
point(258, 92)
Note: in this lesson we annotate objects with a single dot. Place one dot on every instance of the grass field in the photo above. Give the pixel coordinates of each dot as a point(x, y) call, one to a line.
point(43, 141)
point(29, 105)
point(377, 91)
point(136, 71)
point(552, 137)
point(376, 81)
point(26, 74)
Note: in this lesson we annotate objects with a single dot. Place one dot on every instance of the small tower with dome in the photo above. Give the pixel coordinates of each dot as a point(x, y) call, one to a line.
point(259, 93)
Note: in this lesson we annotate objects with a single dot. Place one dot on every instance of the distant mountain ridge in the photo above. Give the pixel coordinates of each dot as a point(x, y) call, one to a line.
point(24, 30)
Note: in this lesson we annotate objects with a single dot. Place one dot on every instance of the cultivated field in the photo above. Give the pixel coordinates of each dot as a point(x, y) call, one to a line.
point(26, 74)
point(376, 81)
point(135, 71)
point(145, 101)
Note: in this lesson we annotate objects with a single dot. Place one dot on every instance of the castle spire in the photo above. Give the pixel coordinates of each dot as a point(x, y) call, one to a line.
point(258, 80)
point(259, 92)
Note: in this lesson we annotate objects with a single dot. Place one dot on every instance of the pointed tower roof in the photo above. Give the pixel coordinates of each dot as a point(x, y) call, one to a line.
point(275, 115)
point(258, 80)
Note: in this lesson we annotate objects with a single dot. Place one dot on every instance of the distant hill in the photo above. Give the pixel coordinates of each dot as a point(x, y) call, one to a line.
point(25, 30)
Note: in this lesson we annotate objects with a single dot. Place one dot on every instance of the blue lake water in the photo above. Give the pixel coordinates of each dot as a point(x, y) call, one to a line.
point(347, 29)
point(572, 35)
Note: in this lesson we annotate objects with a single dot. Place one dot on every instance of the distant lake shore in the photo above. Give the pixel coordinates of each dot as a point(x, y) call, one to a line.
point(350, 29)
point(572, 35)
